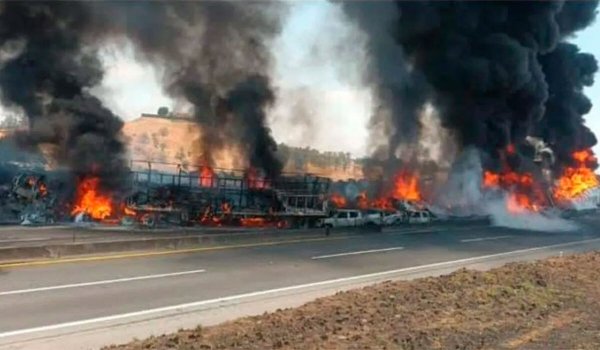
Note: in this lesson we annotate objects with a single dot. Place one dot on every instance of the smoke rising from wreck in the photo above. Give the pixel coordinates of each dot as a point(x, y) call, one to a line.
point(495, 71)
point(400, 92)
point(215, 56)
point(48, 76)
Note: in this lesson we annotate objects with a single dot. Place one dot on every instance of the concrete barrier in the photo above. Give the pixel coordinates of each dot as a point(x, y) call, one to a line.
point(54, 251)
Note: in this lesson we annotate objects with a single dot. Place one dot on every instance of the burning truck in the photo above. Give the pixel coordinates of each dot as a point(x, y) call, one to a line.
point(207, 196)
point(159, 194)
point(468, 188)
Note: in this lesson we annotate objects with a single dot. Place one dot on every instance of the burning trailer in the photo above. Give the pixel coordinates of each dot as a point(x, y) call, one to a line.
point(218, 197)
point(166, 194)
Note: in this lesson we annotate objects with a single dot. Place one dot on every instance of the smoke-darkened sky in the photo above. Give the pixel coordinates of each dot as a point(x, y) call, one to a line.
point(588, 41)
point(312, 68)
point(316, 77)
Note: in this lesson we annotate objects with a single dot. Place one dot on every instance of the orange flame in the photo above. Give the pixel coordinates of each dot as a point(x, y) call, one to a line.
point(383, 203)
point(491, 179)
point(577, 179)
point(43, 189)
point(129, 211)
point(338, 200)
point(362, 201)
point(520, 203)
point(253, 222)
point(406, 186)
point(524, 194)
point(206, 176)
point(226, 208)
point(255, 181)
point(89, 200)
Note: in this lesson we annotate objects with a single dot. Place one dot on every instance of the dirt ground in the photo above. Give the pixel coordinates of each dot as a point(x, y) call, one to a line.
point(551, 304)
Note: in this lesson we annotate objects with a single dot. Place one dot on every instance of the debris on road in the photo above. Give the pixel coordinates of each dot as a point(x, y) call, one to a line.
point(550, 304)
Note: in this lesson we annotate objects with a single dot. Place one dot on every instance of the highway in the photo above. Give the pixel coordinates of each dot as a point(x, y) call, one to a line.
point(38, 298)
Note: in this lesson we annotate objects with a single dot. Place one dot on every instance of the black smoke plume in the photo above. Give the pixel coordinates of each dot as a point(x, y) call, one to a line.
point(211, 51)
point(48, 77)
point(399, 90)
point(246, 103)
point(496, 71)
point(567, 72)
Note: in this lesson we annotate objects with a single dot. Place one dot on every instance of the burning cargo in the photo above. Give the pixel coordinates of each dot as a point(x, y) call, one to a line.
point(223, 197)
point(216, 197)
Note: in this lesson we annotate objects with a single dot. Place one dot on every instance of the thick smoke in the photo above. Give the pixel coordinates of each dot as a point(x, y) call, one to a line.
point(214, 55)
point(246, 104)
point(48, 79)
point(567, 71)
point(401, 92)
point(496, 71)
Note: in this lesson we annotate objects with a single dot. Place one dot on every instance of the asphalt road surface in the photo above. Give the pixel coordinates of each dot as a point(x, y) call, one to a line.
point(42, 296)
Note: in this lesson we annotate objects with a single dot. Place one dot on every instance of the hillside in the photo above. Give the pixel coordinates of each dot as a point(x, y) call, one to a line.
point(173, 140)
point(161, 139)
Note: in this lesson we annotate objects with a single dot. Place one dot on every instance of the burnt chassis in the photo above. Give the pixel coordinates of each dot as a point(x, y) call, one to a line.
point(28, 199)
point(168, 193)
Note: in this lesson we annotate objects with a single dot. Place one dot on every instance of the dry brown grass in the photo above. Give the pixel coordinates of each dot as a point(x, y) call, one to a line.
point(551, 304)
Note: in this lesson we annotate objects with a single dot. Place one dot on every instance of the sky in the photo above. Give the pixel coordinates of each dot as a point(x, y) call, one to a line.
point(318, 59)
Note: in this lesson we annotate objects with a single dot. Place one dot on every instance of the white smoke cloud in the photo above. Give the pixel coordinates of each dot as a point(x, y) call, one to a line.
point(130, 87)
point(547, 222)
point(462, 195)
point(321, 100)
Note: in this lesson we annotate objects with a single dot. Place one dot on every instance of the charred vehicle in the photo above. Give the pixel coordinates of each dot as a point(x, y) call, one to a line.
point(224, 197)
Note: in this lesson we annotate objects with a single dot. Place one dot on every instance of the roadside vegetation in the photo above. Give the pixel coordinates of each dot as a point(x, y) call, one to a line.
point(550, 304)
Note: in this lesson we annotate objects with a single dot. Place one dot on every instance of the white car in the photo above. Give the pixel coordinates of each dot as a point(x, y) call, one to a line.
point(420, 217)
point(344, 218)
point(395, 218)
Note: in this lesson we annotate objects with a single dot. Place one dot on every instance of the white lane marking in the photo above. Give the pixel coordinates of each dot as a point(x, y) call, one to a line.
point(356, 253)
point(97, 283)
point(484, 239)
point(181, 307)
point(431, 230)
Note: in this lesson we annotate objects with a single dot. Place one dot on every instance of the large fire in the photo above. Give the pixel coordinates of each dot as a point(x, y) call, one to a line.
point(89, 200)
point(338, 200)
point(524, 193)
point(406, 186)
point(577, 179)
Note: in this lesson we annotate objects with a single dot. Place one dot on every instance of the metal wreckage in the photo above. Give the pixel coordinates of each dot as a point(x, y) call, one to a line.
point(169, 196)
